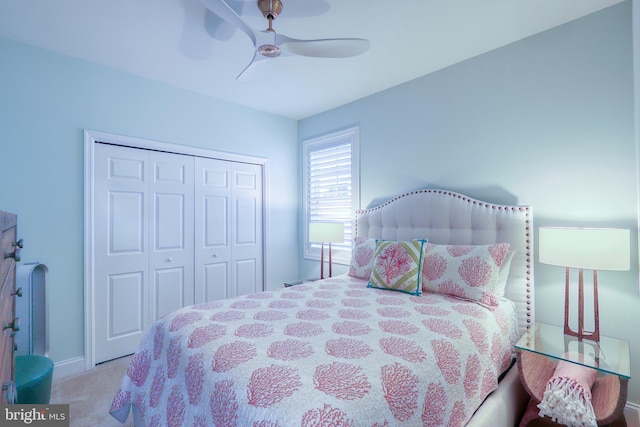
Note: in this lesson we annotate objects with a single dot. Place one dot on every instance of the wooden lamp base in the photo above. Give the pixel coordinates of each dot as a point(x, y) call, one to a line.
point(580, 333)
point(322, 261)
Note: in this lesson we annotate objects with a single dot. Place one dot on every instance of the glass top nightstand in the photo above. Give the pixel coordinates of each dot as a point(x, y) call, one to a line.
point(610, 355)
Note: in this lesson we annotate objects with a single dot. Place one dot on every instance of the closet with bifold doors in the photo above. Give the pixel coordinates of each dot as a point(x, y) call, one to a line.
point(170, 230)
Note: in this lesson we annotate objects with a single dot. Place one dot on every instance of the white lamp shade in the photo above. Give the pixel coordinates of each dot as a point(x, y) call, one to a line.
point(586, 248)
point(326, 232)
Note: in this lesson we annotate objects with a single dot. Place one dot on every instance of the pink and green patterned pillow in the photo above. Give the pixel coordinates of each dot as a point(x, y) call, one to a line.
point(464, 271)
point(362, 257)
point(396, 266)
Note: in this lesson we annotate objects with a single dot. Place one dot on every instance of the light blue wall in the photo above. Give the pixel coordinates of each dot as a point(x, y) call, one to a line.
point(47, 100)
point(547, 121)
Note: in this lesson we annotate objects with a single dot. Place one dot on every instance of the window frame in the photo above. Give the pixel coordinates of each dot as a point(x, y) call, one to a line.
point(341, 254)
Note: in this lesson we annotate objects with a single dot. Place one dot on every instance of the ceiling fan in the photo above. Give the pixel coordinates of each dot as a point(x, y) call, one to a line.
point(269, 44)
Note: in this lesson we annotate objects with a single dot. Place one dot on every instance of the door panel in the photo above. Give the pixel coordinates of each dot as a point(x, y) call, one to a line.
point(169, 290)
point(246, 179)
point(123, 288)
point(246, 217)
point(171, 260)
point(247, 229)
point(126, 211)
point(228, 229)
point(246, 277)
point(215, 173)
point(120, 250)
point(214, 275)
point(216, 221)
point(169, 230)
point(213, 229)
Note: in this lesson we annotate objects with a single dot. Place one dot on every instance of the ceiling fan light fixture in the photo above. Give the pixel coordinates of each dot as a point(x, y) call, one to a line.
point(269, 50)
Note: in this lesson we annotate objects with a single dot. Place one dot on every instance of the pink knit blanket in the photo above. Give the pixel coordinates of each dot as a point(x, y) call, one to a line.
point(567, 397)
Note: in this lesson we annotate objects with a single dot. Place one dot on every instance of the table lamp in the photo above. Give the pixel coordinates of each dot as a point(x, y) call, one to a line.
point(584, 248)
point(326, 232)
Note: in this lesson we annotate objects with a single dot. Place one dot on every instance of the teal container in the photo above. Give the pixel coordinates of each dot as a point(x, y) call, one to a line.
point(33, 379)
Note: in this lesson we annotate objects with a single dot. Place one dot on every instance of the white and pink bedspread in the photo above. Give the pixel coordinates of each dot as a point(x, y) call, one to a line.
point(328, 353)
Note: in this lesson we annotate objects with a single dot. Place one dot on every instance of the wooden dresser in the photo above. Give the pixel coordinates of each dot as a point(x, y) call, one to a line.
point(10, 250)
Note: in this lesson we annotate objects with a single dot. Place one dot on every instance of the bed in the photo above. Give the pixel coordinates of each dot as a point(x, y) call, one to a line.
point(407, 345)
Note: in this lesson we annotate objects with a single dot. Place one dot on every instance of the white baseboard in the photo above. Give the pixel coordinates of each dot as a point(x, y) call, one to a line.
point(68, 367)
point(632, 414)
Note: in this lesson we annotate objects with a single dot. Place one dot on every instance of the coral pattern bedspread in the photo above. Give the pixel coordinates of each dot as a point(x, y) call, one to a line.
point(327, 353)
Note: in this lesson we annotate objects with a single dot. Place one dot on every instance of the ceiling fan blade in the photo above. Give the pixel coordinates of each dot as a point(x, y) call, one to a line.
point(224, 11)
point(324, 48)
point(256, 58)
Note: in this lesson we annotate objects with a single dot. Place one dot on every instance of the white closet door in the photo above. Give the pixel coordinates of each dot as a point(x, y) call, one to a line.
point(229, 246)
point(213, 229)
point(171, 231)
point(121, 250)
point(247, 247)
point(144, 243)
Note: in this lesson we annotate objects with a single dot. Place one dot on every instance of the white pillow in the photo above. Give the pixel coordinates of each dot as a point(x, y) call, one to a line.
point(503, 275)
point(465, 271)
point(362, 257)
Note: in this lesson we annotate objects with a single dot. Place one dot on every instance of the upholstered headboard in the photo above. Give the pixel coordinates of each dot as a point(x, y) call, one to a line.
point(444, 217)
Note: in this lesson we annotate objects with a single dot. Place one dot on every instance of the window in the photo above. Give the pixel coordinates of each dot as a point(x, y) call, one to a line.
point(331, 188)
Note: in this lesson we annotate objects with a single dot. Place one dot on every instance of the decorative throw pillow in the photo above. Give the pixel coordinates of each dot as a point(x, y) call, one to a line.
point(362, 257)
point(396, 266)
point(465, 271)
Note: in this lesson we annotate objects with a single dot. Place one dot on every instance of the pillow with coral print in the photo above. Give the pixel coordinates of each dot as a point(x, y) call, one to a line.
point(396, 266)
point(464, 271)
point(362, 257)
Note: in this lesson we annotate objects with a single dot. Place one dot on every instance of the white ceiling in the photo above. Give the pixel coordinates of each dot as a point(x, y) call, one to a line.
point(181, 43)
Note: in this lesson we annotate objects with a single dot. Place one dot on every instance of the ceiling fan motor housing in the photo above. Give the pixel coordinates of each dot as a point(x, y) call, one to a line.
point(270, 8)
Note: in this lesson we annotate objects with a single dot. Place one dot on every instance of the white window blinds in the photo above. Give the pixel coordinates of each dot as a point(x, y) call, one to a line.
point(331, 185)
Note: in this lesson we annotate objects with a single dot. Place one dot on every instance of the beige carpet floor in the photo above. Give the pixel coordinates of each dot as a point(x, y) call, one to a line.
point(89, 394)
